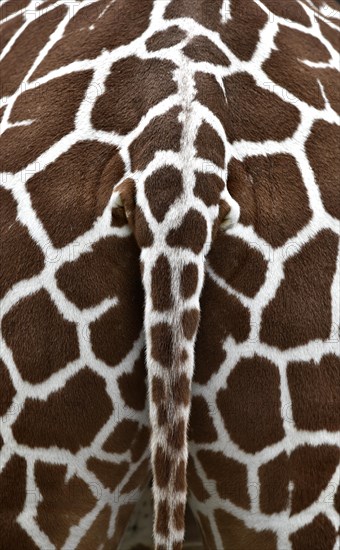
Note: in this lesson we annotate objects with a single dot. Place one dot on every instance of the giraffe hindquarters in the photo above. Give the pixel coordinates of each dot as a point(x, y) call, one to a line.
point(74, 427)
point(263, 469)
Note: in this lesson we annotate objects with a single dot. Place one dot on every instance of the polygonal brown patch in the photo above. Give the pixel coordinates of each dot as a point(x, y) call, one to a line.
point(122, 519)
point(8, 30)
point(102, 272)
point(20, 256)
point(253, 422)
point(209, 145)
point(189, 280)
point(221, 315)
point(230, 476)
point(162, 518)
point(322, 149)
point(12, 501)
point(132, 386)
point(69, 418)
point(71, 188)
point(190, 318)
point(289, 9)
point(201, 426)
point(63, 504)
point(314, 390)
point(195, 482)
point(9, 8)
point(210, 94)
point(301, 310)
point(121, 324)
point(240, 537)
point(138, 478)
point(7, 390)
point(162, 188)
point(165, 39)
point(286, 65)
point(110, 474)
point(42, 341)
point(191, 233)
point(208, 188)
point(122, 106)
point(257, 114)
point(241, 266)
point(274, 480)
point(201, 49)
point(97, 533)
point(163, 133)
point(120, 440)
point(320, 534)
point(282, 205)
point(311, 469)
point(52, 108)
point(163, 468)
point(162, 349)
point(140, 443)
point(240, 33)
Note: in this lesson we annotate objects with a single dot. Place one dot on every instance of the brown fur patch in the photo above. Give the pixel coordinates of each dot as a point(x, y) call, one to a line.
point(257, 114)
point(231, 317)
point(274, 479)
point(132, 386)
point(253, 422)
point(210, 146)
point(63, 504)
point(79, 191)
point(12, 501)
point(162, 189)
point(52, 107)
point(162, 133)
point(161, 335)
point(195, 482)
point(201, 426)
point(123, 106)
point(320, 534)
point(305, 297)
point(314, 392)
point(189, 280)
point(230, 476)
point(69, 418)
point(20, 257)
point(191, 233)
point(39, 349)
point(323, 151)
point(165, 39)
point(201, 49)
point(110, 474)
point(190, 320)
point(208, 188)
point(120, 440)
point(138, 478)
point(242, 267)
point(241, 537)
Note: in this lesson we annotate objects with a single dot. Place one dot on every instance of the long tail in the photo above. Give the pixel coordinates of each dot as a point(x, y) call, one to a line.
point(172, 259)
point(172, 283)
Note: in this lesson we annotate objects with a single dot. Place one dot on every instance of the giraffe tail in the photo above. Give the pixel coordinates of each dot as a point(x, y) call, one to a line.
point(171, 319)
point(173, 264)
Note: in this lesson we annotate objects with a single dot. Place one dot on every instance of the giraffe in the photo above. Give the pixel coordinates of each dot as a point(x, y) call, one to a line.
point(169, 274)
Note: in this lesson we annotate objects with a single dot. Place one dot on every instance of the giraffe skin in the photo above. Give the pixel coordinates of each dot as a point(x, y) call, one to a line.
point(168, 184)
